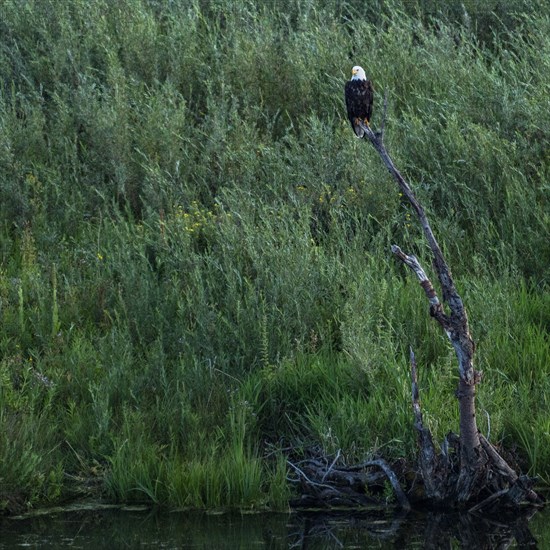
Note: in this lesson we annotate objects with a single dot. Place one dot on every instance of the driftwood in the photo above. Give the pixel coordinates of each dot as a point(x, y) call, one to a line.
point(332, 485)
point(481, 476)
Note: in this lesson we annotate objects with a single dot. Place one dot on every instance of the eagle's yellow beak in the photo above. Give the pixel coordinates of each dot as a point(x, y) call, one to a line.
point(354, 71)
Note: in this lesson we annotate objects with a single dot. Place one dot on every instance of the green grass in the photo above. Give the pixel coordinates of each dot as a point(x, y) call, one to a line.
point(194, 250)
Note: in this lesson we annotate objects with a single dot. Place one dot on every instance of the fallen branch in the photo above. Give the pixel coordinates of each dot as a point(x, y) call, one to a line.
point(332, 465)
point(392, 478)
point(330, 485)
point(505, 470)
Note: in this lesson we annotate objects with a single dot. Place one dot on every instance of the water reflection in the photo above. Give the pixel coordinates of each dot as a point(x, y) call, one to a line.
point(134, 528)
point(427, 530)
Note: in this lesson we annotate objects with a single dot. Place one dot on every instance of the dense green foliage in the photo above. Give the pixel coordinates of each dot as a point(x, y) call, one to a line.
point(194, 249)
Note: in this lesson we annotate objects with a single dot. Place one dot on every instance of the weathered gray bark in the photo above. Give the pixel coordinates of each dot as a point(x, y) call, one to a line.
point(455, 323)
point(479, 466)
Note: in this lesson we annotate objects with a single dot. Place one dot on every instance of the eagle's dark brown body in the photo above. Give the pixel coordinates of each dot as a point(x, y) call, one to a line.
point(359, 96)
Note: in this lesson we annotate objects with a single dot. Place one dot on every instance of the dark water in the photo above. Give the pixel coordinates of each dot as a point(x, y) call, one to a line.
point(140, 528)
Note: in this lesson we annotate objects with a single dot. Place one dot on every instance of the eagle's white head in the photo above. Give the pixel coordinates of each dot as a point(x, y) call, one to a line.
point(358, 73)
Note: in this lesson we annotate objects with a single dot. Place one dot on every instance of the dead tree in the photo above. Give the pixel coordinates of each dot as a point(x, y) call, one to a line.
point(483, 476)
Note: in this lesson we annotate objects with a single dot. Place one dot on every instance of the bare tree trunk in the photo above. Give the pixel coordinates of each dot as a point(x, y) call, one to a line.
point(476, 462)
point(468, 469)
point(455, 323)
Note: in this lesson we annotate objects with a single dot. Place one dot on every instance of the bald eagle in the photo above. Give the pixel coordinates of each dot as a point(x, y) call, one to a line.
point(359, 95)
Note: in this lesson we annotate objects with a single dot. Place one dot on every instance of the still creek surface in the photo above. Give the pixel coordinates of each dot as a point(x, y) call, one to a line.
point(94, 527)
